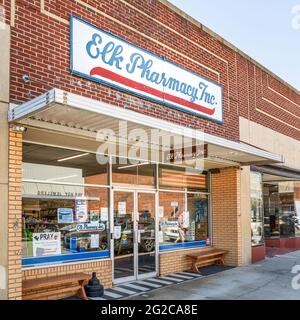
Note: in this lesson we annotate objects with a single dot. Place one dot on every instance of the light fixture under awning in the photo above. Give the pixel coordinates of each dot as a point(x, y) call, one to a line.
point(76, 115)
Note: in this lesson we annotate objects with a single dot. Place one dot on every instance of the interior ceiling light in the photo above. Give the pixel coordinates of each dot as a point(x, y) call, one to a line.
point(133, 165)
point(73, 157)
point(62, 178)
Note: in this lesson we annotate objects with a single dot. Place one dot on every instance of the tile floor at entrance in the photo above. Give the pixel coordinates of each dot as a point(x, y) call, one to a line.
point(138, 287)
point(142, 287)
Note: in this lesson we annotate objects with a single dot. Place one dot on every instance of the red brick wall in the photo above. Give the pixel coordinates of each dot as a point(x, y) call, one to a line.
point(5, 11)
point(40, 47)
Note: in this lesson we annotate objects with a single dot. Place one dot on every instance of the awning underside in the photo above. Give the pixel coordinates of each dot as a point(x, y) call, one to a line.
point(74, 116)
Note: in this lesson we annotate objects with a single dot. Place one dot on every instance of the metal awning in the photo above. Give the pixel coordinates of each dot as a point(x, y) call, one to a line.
point(273, 173)
point(61, 111)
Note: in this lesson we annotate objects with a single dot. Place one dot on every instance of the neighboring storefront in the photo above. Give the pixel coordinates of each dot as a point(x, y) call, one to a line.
point(281, 208)
point(93, 170)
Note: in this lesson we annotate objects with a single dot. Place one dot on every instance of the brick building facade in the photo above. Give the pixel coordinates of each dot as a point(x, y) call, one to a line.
point(256, 103)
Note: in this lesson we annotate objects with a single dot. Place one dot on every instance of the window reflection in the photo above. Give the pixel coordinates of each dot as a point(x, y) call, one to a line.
point(281, 214)
point(256, 208)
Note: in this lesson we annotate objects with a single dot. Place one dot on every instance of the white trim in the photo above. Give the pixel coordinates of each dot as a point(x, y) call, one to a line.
point(78, 102)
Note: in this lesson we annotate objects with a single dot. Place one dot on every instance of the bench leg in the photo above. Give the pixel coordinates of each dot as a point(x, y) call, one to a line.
point(81, 291)
point(195, 268)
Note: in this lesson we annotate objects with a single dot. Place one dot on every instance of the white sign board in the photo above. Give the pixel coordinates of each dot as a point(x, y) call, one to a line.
point(104, 214)
point(46, 244)
point(95, 241)
point(81, 210)
point(100, 56)
point(121, 208)
point(161, 210)
point(117, 232)
point(174, 203)
point(185, 220)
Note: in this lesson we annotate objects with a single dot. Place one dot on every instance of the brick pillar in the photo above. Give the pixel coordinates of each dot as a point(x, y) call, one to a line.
point(14, 215)
point(226, 213)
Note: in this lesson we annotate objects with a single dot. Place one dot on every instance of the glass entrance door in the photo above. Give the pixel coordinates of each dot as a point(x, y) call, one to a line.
point(134, 240)
point(124, 235)
point(146, 234)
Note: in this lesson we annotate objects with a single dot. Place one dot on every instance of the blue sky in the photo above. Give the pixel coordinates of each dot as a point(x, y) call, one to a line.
point(266, 30)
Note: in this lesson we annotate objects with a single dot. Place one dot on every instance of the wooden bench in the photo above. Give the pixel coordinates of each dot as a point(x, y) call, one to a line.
point(44, 283)
point(206, 258)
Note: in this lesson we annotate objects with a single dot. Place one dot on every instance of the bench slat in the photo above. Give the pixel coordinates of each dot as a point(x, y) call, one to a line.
point(206, 258)
point(53, 281)
point(50, 293)
point(207, 253)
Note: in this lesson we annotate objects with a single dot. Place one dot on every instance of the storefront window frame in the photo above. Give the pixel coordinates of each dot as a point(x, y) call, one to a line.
point(262, 241)
point(191, 244)
point(36, 262)
point(70, 257)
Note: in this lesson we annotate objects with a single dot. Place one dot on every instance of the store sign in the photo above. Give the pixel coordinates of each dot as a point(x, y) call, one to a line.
point(90, 226)
point(46, 244)
point(185, 154)
point(58, 194)
point(103, 57)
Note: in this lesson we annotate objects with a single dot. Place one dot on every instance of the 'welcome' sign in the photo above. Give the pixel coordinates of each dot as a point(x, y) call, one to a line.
point(103, 57)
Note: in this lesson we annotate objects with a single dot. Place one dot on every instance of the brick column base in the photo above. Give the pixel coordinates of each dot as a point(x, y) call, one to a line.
point(15, 215)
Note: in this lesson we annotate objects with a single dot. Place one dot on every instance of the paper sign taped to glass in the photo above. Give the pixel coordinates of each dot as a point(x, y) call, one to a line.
point(46, 244)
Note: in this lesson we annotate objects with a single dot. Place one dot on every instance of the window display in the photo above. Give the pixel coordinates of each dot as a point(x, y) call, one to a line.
point(257, 228)
point(280, 210)
point(198, 217)
point(183, 218)
point(53, 225)
point(64, 207)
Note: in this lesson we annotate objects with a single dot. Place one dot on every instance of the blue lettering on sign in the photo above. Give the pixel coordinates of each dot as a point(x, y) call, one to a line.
point(205, 95)
point(111, 54)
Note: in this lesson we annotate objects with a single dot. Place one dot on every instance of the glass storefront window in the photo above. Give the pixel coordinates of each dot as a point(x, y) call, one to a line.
point(65, 207)
point(297, 208)
point(64, 219)
point(133, 173)
point(257, 228)
point(197, 207)
point(280, 210)
point(172, 177)
point(181, 221)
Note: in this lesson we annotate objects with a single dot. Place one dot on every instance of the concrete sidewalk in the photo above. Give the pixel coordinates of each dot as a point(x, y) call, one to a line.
point(269, 279)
